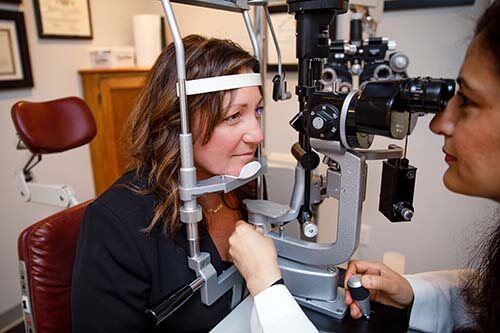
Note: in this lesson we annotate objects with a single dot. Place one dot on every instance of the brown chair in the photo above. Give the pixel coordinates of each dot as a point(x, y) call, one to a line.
point(46, 254)
point(47, 249)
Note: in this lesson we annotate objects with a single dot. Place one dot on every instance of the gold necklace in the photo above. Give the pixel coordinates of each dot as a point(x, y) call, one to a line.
point(216, 209)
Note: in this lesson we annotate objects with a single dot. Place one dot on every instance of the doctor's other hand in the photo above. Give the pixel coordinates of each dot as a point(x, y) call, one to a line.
point(385, 285)
point(255, 257)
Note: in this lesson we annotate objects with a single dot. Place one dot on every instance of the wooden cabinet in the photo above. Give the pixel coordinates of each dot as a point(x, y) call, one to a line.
point(111, 95)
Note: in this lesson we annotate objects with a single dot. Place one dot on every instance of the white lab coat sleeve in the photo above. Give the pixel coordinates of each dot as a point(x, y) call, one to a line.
point(275, 310)
point(437, 306)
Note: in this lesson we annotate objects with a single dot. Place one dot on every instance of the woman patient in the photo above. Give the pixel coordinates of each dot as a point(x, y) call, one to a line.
point(132, 249)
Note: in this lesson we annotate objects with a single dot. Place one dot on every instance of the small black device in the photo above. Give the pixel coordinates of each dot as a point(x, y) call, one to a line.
point(396, 190)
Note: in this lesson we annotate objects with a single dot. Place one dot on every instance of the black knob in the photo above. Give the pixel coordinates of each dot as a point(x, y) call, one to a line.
point(360, 294)
point(324, 121)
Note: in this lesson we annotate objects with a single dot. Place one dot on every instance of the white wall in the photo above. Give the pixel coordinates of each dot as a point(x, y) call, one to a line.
point(435, 40)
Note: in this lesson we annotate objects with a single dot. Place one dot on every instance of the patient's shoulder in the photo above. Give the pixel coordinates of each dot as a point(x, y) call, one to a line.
point(122, 203)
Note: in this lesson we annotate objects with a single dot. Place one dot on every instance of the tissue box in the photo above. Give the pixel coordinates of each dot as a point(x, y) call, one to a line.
point(112, 57)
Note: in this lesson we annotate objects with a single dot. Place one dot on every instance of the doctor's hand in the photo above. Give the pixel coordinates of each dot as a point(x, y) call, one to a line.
point(385, 285)
point(255, 257)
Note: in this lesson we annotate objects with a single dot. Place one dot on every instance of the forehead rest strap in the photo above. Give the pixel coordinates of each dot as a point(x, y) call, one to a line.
point(220, 83)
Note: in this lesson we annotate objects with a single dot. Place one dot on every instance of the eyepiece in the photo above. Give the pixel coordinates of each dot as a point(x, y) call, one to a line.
point(382, 72)
point(425, 94)
point(328, 76)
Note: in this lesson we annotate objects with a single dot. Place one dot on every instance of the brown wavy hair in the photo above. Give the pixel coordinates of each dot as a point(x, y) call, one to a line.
point(153, 128)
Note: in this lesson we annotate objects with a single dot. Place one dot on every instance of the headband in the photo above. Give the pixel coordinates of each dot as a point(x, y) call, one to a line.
point(219, 83)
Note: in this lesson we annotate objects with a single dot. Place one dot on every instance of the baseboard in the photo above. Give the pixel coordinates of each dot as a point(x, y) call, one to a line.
point(11, 318)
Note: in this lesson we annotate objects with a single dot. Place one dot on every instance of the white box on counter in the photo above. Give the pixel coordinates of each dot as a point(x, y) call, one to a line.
point(112, 57)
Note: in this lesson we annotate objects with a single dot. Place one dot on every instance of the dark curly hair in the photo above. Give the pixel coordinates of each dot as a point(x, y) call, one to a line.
point(488, 29)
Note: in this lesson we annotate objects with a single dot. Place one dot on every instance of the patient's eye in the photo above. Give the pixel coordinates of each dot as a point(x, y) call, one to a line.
point(258, 111)
point(233, 117)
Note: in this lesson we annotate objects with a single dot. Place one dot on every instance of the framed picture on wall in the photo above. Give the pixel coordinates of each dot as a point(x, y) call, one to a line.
point(284, 27)
point(67, 19)
point(277, 6)
point(15, 67)
point(414, 4)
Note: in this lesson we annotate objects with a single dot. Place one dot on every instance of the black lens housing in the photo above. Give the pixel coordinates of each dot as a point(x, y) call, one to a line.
point(425, 94)
point(380, 108)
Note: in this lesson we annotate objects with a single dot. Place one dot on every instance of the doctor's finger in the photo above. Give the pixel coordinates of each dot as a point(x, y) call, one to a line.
point(365, 267)
point(361, 267)
point(376, 282)
point(355, 311)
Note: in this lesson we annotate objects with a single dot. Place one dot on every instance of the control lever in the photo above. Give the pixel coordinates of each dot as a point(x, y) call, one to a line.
point(171, 302)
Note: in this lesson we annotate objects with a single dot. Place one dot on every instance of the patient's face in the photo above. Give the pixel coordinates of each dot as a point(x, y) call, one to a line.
point(234, 140)
point(471, 127)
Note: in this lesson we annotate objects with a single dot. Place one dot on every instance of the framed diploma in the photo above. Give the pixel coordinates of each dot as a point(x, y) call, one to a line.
point(15, 67)
point(69, 19)
point(284, 27)
point(277, 6)
point(409, 4)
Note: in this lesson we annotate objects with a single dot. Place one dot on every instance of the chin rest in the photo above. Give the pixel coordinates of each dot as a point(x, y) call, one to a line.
point(46, 253)
point(53, 126)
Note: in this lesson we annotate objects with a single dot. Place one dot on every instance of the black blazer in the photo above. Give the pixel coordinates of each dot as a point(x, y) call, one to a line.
point(119, 271)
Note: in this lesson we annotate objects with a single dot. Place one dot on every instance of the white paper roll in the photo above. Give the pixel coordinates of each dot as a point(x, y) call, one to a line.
point(344, 26)
point(147, 38)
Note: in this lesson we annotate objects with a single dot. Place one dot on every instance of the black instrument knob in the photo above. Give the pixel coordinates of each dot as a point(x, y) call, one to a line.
point(360, 294)
point(324, 121)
